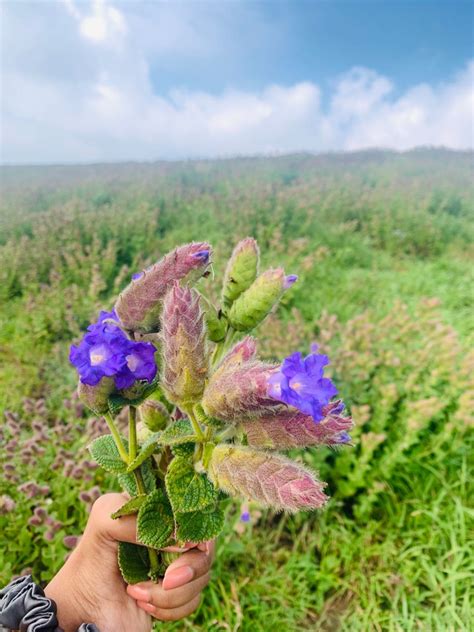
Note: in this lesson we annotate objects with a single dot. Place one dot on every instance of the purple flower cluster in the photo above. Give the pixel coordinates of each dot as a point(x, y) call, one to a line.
point(300, 383)
point(105, 351)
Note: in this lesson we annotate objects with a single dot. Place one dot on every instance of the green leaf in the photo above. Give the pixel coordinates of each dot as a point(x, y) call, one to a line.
point(187, 489)
point(149, 446)
point(127, 479)
point(130, 507)
point(133, 562)
point(180, 431)
point(199, 526)
point(183, 449)
point(104, 451)
point(155, 523)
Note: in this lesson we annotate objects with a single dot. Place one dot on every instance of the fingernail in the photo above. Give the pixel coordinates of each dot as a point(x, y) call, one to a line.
point(177, 577)
point(138, 592)
point(190, 545)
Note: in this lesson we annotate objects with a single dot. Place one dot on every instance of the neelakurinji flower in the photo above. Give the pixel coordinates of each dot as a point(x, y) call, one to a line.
point(105, 351)
point(300, 383)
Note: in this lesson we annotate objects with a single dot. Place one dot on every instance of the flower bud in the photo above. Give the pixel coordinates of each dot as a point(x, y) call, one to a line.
point(139, 306)
point(216, 322)
point(97, 397)
point(269, 479)
point(244, 351)
point(291, 428)
point(254, 304)
point(241, 270)
point(154, 414)
point(185, 357)
point(240, 392)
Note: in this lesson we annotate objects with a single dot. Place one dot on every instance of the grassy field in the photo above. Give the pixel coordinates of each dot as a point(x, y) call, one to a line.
point(382, 243)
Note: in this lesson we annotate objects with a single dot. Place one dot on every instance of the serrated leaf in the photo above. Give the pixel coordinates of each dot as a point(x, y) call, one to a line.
point(199, 526)
point(104, 451)
point(183, 449)
point(180, 431)
point(133, 562)
point(155, 522)
point(187, 489)
point(130, 507)
point(149, 446)
point(127, 479)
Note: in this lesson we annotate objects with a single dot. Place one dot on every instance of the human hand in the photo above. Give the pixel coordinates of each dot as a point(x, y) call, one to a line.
point(89, 587)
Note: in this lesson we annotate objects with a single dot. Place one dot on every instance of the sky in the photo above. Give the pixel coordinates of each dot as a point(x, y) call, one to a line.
point(105, 80)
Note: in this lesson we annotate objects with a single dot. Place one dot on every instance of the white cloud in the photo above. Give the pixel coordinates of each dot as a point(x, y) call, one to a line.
point(104, 22)
point(98, 103)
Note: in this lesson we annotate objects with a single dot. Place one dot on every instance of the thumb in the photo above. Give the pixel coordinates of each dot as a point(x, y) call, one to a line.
point(101, 525)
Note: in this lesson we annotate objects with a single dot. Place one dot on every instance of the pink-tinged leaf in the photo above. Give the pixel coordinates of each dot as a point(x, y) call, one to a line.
point(140, 304)
point(291, 428)
point(270, 479)
point(244, 351)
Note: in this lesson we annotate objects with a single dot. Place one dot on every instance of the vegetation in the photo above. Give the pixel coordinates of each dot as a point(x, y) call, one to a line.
point(382, 244)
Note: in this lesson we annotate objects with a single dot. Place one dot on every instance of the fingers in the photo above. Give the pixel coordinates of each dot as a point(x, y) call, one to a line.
point(178, 594)
point(171, 615)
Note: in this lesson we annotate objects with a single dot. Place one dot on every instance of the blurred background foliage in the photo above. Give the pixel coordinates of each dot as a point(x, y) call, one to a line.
point(382, 243)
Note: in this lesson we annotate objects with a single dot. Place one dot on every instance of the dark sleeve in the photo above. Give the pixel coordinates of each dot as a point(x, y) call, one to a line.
point(24, 607)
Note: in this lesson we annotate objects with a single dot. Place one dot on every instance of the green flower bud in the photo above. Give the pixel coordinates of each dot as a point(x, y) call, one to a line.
point(254, 304)
point(97, 397)
point(154, 415)
point(216, 322)
point(241, 270)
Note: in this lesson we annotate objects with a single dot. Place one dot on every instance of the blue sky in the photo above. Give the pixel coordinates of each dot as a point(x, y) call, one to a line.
point(93, 80)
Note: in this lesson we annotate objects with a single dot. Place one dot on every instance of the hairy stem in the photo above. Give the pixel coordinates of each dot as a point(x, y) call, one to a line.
point(117, 438)
point(137, 473)
point(195, 424)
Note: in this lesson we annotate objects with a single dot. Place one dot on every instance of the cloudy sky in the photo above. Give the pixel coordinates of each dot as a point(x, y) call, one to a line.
point(107, 80)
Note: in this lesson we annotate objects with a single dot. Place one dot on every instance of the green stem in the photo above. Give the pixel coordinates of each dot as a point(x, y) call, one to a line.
point(137, 473)
point(132, 433)
point(117, 438)
point(195, 424)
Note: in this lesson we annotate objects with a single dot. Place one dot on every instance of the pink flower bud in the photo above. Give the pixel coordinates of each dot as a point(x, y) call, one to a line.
point(291, 428)
point(272, 480)
point(140, 304)
point(185, 356)
point(240, 392)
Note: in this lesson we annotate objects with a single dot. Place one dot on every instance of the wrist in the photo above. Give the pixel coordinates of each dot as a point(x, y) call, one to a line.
point(69, 590)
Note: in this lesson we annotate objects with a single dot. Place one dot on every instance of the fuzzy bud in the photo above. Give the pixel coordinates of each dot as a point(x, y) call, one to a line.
point(269, 479)
point(241, 271)
point(216, 322)
point(139, 306)
point(255, 304)
point(239, 392)
point(185, 358)
point(154, 414)
point(97, 397)
point(291, 428)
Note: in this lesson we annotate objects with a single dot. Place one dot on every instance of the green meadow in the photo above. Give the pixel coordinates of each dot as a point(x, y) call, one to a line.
point(382, 243)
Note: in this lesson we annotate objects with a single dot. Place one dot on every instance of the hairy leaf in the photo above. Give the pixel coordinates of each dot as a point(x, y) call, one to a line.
point(199, 526)
point(180, 431)
point(149, 446)
point(104, 451)
point(155, 523)
point(133, 562)
point(187, 489)
point(130, 507)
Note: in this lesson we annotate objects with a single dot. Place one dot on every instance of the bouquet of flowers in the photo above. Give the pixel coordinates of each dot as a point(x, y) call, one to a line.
point(207, 417)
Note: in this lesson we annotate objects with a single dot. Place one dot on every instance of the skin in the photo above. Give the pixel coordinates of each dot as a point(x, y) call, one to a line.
point(90, 589)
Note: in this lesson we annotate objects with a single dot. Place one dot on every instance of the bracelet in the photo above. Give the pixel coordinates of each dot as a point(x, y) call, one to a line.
point(25, 607)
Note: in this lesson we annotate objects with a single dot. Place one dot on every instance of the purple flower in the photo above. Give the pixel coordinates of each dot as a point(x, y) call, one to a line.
point(105, 351)
point(245, 516)
point(140, 365)
point(300, 383)
point(135, 276)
